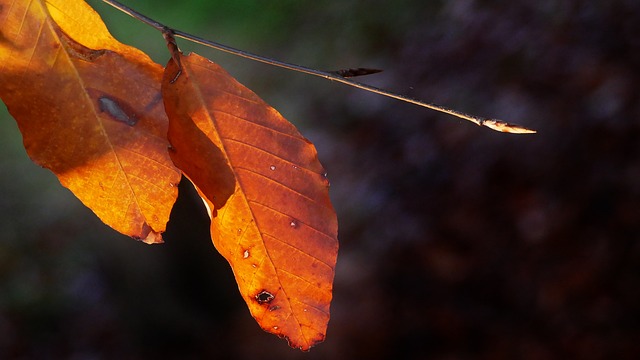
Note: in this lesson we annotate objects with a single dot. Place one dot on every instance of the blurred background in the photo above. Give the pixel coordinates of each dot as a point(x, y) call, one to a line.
point(456, 242)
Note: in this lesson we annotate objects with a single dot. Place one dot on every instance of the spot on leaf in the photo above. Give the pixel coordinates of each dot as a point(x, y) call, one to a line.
point(264, 297)
point(117, 111)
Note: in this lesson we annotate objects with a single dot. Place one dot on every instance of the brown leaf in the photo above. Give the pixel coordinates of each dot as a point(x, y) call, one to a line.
point(267, 194)
point(89, 108)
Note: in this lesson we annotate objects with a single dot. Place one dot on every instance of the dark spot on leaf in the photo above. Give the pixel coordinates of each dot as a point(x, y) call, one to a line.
point(117, 111)
point(274, 308)
point(264, 297)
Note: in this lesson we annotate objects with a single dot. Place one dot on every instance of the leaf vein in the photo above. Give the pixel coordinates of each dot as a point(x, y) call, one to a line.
point(312, 306)
point(128, 149)
point(300, 250)
point(285, 186)
point(251, 122)
point(149, 182)
point(282, 213)
point(272, 154)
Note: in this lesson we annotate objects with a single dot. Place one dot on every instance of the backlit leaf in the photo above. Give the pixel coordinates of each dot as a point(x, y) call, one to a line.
point(90, 110)
point(266, 192)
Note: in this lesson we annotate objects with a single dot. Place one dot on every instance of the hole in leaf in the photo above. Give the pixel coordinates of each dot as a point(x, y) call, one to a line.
point(264, 297)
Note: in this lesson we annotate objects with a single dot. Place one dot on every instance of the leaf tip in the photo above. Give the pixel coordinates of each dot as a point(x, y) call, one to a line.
point(148, 235)
point(305, 347)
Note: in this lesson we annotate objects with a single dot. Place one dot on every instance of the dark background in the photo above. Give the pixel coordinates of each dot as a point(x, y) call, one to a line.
point(456, 242)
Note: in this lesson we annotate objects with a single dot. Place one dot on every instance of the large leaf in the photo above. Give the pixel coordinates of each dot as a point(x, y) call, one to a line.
point(266, 192)
point(89, 108)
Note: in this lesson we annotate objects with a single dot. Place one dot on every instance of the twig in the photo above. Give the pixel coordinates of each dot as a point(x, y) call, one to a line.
point(497, 125)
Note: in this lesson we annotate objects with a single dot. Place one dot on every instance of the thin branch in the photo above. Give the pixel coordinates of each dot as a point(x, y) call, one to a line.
point(494, 124)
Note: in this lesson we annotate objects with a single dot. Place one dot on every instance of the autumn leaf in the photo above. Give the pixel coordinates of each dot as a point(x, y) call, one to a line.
point(90, 110)
point(266, 192)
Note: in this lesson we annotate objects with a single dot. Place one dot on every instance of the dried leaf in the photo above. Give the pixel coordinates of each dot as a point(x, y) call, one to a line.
point(89, 108)
point(267, 195)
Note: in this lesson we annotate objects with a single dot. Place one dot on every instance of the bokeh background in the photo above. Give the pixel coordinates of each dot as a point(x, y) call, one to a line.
point(456, 242)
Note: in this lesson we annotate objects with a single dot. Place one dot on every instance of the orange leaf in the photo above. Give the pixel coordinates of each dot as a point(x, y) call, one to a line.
point(266, 192)
point(89, 108)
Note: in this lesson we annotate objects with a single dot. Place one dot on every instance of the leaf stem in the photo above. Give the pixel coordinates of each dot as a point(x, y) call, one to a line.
point(494, 124)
